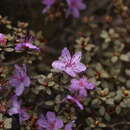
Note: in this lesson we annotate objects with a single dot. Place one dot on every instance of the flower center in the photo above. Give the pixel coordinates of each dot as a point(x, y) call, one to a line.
point(73, 4)
point(52, 125)
point(81, 84)
point(69, 64)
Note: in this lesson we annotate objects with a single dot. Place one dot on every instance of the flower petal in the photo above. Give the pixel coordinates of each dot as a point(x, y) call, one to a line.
point(19, 89)
point(65, 55)
point(26, 81)
point(75, 12)
point(81, 6)
point(76, 57)
point(70, 72)
point(74, 100)
point(23, 116)
point(50, 117)
point(79, 67)
point(59, 123)
point(69, 126)
point(42, 122)
point(58, 65)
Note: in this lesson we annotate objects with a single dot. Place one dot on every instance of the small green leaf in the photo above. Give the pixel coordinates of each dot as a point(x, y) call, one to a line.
point(118, 110)
point(102, 111)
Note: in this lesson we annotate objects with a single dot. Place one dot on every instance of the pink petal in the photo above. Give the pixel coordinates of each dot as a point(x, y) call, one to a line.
point(83, 92)
point(69, 125)
point(65, 55)
point(75, 12)
point(59, 123)
point(79, 105)
point(74, 100)
point(58, 65)
point(79, 67)
point(29, 45)
point(74, 85)
point(81, 6)
point(42, 122)
point(76, 57)
point(27, 81)
point(19, 89)
point(70, 72)
point(51, 117)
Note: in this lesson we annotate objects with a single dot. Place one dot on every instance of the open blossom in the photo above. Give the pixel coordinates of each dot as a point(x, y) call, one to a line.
point(20, 79)
point(26, 44)
point(76, 100)
point(69, 125)
point(74, 7)
point(3, 40)
point(81, 85)
point(48, 4)
point(69, 64)
point(50, 122)
point(16, 109)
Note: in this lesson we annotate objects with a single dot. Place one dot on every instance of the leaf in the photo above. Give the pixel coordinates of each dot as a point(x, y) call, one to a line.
point(107, 117)
point(8, 123)
point(118, 110)
point(110, 101)
point(102, 125)
point(124, 57)
point(102, 111)
point(128, 83)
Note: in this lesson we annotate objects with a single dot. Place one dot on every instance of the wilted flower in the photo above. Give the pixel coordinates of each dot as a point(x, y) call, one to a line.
point(3, 40)
point(69, 125)
point(76, 100)
point(20, 79)
point(26, 44)
point(16, 109)
point(74, 7)
point(70, 64)
point(81, 85)
point(48, 4)
point(50, 122)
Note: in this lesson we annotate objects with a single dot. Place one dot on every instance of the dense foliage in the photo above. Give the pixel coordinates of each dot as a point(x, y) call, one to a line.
point(72, 74)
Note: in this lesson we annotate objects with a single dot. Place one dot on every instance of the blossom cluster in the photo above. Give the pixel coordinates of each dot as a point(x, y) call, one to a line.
point(72, 66)
point(20, 81)
point(26, 43)
point(74, 6)
point(78, 89)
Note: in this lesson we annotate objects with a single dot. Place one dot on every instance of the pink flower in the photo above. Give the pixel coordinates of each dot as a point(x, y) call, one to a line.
point(50, 122)
point(3, 40)
point(69, 125)
point(74, 7)
point(16, 109)
point(81, 85)
point(76, 100)
point(69, 64)
point(26, 44)
point(20, 79)
point(48, 4)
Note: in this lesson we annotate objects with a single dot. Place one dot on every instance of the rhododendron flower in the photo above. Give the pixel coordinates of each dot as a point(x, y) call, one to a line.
point(26, 44)
point(3, 40)
point(16, 109)
point(48, 4)
point(74, 7)
point(50, 122)
point(76, 100)
point(81, 85)
point(69, 64)
point(20, 79)
point(69, 125)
